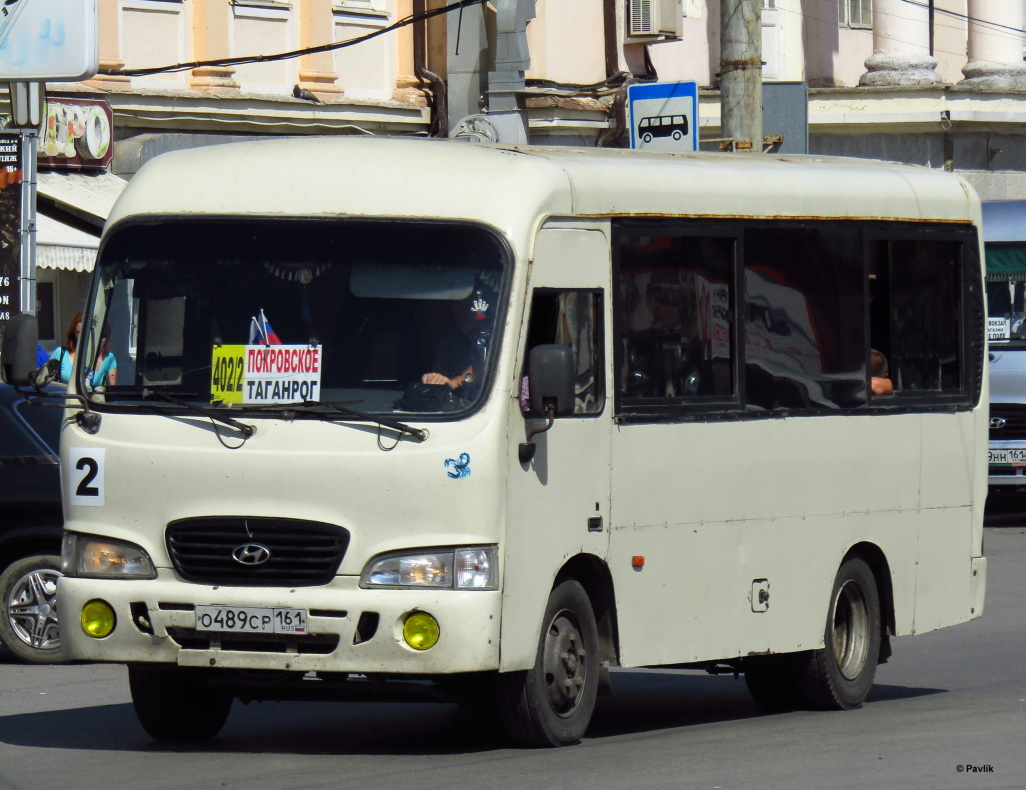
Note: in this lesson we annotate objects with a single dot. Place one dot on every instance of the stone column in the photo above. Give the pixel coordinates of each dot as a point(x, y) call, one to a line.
point(317, 27)
point(110, 49)
point(407, 86)
point(995, 51)
point(901, 46)
point(211, 40)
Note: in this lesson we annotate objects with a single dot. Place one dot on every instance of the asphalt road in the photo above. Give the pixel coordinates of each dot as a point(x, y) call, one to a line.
point(946, 701)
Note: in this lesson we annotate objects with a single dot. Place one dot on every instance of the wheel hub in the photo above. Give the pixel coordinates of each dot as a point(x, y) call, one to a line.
point(851, 630)
point(564, 664)
point(32, 609)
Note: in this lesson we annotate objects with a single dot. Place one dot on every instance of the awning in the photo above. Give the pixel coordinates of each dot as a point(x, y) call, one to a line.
point(89, 197)
point(60, 246)
point(1005, 262)
point(85, 196)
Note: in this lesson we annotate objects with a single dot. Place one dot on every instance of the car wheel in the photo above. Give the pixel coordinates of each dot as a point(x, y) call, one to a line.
point(175, 704)
point(840, 675)
point(677, 135)
point(646, 137)
point(28, 609)
point(551, 704)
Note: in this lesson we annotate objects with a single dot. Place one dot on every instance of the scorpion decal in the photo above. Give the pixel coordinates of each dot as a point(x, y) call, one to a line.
point(458, 468)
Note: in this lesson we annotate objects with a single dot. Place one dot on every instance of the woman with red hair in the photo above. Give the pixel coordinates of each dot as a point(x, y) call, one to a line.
point(66, 354)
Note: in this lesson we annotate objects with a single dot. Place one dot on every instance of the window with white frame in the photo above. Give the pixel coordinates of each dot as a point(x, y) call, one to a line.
point(855, 13)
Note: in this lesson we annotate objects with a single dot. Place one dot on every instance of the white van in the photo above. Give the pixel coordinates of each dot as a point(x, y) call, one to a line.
point(1004, 236)
point(399, 418)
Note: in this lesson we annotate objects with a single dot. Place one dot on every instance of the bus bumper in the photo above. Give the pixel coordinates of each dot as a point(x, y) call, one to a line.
point(349, 629)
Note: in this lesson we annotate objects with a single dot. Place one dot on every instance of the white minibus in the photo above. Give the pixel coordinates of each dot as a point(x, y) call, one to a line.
point(397, 418)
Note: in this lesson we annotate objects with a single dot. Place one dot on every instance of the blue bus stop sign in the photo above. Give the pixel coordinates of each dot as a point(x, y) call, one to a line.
point(664, 116)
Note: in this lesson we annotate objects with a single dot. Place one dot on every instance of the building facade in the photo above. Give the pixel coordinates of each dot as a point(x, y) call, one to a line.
point(940, 83)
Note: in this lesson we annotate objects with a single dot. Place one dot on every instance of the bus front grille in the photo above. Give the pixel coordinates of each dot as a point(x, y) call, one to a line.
point(245, 551)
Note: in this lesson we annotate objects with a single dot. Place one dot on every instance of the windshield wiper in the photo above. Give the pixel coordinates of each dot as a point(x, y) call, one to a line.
point(206, 411)
point(318, 409)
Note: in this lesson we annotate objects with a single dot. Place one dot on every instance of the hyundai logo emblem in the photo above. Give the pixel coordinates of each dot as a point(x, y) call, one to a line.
point(251, 554)
point(997, 422)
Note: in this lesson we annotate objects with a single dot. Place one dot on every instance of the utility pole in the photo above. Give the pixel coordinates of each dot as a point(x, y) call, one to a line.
point(741, 74)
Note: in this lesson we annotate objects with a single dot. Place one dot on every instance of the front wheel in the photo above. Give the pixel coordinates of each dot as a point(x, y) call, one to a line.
point(551, 704)
point(840, 675)
point(28, 609)
point(176, 704)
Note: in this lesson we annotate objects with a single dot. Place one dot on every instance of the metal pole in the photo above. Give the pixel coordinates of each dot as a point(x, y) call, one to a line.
point(741, 73)
point(27, 289)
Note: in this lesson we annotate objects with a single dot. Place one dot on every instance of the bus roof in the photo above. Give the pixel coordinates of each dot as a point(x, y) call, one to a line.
point(417, 178)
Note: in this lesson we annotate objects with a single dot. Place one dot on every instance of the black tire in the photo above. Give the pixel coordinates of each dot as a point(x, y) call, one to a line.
point(552, 703)
point(175, 704)
point(771, 681)
point(28, 609)
point(840, 675)
point(647, 137)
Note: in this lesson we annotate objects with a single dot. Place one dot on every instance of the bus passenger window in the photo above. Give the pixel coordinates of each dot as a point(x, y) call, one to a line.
point(570, 318)
point(805, 319)
point(675, 317)
point(920, 283)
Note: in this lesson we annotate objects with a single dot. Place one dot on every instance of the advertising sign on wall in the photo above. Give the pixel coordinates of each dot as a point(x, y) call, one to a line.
point(77, 134)
point(10, 225)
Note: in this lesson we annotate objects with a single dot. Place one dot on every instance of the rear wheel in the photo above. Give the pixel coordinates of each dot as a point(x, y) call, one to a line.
point(28, 609)
point(551, 704)
point(176, 704)
point(840, 675)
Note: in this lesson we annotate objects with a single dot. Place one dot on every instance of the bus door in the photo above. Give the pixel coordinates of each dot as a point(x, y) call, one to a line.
point(559, 501)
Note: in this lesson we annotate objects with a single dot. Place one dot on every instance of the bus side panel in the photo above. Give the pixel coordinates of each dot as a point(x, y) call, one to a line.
point(950, 526)
point(698, 596)
point(716, 507)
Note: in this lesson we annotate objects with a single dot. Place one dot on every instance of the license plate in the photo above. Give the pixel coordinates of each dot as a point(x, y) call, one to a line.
point(250, 620)
point(1008, 457)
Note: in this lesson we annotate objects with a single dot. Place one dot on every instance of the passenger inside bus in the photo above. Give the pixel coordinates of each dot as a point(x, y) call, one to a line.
point(880, 383)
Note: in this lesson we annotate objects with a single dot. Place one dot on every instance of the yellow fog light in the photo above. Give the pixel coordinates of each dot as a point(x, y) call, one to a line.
point(98, 619)
point(420, 631)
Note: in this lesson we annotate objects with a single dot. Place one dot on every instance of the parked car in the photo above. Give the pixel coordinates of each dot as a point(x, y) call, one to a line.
point(31, 521)
point(1004, 237)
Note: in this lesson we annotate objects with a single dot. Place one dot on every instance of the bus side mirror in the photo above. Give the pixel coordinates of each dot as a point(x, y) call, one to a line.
point(18, 356)
point(550, 376)
point(550, 371)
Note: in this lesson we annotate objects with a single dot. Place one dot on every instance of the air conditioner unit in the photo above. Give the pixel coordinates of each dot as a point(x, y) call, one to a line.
point(649, 19)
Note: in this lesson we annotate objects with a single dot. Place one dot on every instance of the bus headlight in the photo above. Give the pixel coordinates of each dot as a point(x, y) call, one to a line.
point(447, 569)
point(91, 556)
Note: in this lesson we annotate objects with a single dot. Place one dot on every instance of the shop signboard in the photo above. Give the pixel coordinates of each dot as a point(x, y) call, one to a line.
point(77, 134)
point(10, 225)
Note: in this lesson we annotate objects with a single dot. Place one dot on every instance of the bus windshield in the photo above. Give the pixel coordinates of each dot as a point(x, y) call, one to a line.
point(1006, 295)
point(376, 317)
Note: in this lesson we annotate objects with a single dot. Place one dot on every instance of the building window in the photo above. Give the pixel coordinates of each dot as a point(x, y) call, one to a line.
point(855, 13)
